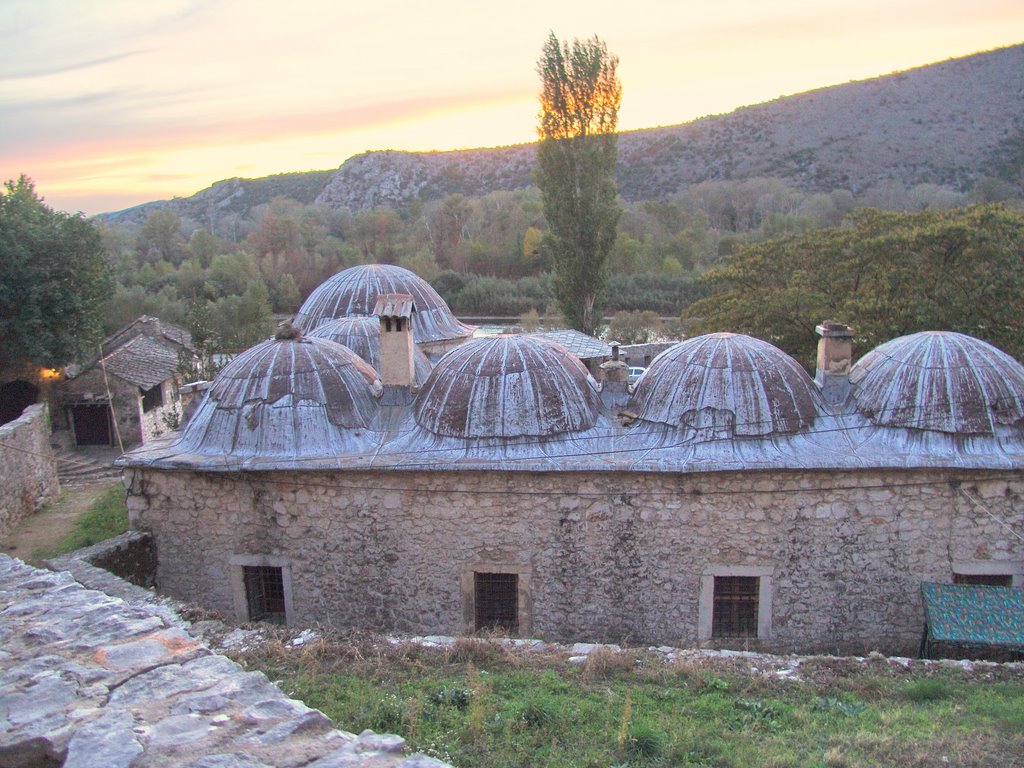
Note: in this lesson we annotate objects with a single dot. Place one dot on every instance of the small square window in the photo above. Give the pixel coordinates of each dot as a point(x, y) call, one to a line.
point(152, 398)
point(264, 593)
point(496, 601)
point(984, 579)
point(735, 606)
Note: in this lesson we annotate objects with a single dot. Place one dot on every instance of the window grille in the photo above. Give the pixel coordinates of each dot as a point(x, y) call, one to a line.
point(264, 593)
point(734, 613)
point(496, 601)
point(984, 579)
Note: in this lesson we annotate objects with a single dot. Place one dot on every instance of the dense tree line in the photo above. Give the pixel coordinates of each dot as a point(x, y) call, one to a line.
point(484, 255)
point(53, 281)
point(886, 273)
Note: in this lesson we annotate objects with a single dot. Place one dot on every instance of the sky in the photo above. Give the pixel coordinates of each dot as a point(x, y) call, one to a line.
point(106, 104)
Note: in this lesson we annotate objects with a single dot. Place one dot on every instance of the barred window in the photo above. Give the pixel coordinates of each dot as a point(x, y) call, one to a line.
point(735, 606)
point(264, 593)
point(496, 601)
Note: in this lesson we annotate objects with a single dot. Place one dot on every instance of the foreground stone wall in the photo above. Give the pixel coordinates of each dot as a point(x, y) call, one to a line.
point(28, 468)
point(617, 556)
point(90, 681)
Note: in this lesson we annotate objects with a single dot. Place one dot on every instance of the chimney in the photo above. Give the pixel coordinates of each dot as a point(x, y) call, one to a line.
point(397, 361)
point(615, 374)
point(191, 397)
point(835, 354)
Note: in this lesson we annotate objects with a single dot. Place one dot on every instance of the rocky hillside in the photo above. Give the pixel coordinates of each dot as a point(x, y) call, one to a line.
point(947, 124)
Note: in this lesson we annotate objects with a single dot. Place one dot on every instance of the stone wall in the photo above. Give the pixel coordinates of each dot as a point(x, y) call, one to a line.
point(91, 681)
point(616, 556)
point(28, 468)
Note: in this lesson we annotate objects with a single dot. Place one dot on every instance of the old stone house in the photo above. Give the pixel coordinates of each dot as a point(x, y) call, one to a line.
point(129, 394)
point(729, 500)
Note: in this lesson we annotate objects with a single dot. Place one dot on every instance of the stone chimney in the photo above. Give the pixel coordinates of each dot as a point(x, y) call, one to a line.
point(835, 354)
point(615, 377)
point(191, 397)
point(397, 361)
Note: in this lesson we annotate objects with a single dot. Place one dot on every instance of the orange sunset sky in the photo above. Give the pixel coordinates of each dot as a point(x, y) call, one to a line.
point(110, 103)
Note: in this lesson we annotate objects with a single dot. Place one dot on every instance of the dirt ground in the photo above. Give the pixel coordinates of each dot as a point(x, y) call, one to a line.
point(35, 537)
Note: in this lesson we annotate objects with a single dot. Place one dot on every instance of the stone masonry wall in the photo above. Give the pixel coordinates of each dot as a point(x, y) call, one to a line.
point(28, 468)
point(91, 681)
point(606, 557)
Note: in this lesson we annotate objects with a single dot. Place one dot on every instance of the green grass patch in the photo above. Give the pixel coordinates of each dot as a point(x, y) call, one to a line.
point(106, 517)
point(517, 710)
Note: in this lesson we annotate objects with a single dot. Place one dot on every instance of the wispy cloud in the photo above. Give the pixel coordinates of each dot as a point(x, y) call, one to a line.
point(33, 69)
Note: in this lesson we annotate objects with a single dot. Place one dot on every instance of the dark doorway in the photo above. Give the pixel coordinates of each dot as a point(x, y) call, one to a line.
point(15, 397)
point(92, 424)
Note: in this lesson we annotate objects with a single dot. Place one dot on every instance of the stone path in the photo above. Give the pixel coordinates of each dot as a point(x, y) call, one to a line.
point(89, 681)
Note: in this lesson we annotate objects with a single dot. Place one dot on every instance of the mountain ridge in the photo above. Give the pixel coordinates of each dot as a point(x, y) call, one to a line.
point(949, 124)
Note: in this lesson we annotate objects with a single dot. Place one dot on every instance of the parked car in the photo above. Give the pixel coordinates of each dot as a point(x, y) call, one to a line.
point(635, 372)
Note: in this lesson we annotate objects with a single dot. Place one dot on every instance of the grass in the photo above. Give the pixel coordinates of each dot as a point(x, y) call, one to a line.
point(106, 517)
point(494, 709)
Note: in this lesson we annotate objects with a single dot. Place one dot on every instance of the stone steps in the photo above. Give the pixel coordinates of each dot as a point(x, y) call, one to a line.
point(76, 469)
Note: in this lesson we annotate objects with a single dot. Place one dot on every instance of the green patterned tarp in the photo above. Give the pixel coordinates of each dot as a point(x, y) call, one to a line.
point(960, 613)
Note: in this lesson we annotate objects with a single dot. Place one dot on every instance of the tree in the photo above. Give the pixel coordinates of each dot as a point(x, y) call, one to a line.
point(580, 97)
point(54, 278)
point(887, 274)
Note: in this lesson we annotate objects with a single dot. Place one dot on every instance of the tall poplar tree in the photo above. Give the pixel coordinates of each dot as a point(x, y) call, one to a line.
point(579, 107)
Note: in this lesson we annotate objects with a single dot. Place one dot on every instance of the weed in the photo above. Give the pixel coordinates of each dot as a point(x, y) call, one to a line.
point(712, 683)
point(604, 662)
point(451, 696)
point(926, 689)
point(838, 706)
point(645, 742)
point(540, 713)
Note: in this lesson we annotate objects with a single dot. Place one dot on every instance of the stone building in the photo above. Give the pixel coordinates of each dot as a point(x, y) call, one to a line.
point(129, 394)
point(730, 500)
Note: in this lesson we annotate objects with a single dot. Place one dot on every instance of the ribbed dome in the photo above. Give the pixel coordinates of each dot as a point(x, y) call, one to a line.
point(507, 386)
point(730, 381)
point(939, 380)
point(298, 397)
point(362, 336)
point(354, 291)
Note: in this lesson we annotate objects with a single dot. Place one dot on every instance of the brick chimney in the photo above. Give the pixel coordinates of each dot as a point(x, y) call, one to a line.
point(835, 354)
point(397, 361)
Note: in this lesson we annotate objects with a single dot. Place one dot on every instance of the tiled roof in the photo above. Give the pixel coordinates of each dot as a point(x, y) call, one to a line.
point(142, 362)
point(150, 326)
point(583, 346)
point(394, 305)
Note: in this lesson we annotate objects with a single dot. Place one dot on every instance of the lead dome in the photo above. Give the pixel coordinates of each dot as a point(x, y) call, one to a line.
point(354, 291)
point(286, 397)
point(727, 380)
point(941, 381)
point(507, 386)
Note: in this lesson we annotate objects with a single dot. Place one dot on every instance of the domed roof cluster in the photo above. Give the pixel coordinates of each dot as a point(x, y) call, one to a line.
point(507, 387)
point(362, 336)
point(284, 397)
point(727, 380)
point(738, 401)
point(939, 381)
point(354, 291)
